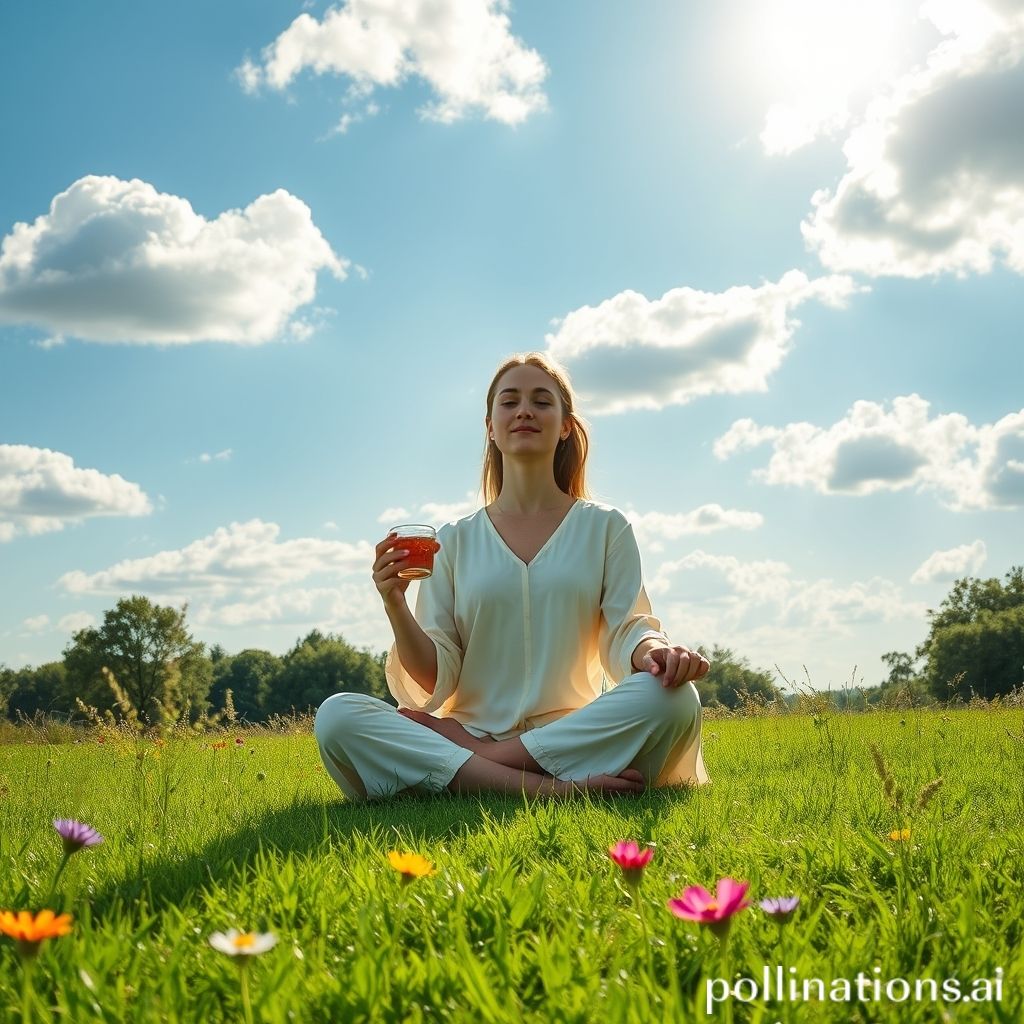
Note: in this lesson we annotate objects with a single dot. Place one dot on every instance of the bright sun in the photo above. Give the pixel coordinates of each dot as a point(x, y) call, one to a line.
point(809, 58)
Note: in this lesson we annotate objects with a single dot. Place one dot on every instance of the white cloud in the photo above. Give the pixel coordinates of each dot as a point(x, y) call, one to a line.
point(245, 576)
point(117, 261)
point(306, 608)
point(946, 566)
point(243, 557)
point(397, 514)
point(42, 491)
point(652, 528)
point(730, 596)
point(634, 353)
point(350, 118)
point(933, 182)
point(74, 621)
point(432, 513)
point(874, 449)
point(218, 457)
point(463, 49)
point(70, 623)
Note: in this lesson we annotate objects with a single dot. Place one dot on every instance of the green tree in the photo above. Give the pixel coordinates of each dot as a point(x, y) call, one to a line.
point(320, 665)
point(975, 642)
point(250, 676)
point(151, 654)
point(731, 674)
point(29, 690)
point(6, 687)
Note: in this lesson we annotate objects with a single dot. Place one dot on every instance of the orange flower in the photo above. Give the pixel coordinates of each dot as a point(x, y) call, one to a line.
point(220, 744)
point(29, 931)
point(410, 865)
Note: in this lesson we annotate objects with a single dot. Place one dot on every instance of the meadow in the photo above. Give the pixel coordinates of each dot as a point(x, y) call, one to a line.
point(525, 917)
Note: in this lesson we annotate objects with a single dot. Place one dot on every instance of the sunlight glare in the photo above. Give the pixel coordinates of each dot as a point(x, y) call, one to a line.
point(809, 58)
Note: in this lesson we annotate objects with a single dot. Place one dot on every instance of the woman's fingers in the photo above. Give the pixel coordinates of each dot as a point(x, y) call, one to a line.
point(688, 666)
point(388, 552)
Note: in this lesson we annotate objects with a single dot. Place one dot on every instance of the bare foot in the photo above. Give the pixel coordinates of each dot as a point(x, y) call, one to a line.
point(449, 728)
point(626, 783)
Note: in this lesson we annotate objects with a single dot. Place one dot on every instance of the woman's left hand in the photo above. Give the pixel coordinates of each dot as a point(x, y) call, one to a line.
point(676, 665)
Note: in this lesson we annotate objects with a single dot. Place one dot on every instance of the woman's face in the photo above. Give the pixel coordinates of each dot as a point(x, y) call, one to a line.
point(526, 397)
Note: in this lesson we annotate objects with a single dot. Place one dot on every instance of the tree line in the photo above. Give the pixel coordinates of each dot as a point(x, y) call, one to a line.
point(144, 655)
point(974, 647)
point(143, 658)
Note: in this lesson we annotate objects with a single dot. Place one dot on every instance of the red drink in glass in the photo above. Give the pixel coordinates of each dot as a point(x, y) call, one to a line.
point(420, 541)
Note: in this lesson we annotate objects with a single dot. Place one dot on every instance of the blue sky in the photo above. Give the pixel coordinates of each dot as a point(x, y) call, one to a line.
point(260, 261)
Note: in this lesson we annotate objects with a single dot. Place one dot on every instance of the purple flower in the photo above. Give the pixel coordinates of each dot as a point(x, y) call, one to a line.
point(781, 909)
point(75, 835)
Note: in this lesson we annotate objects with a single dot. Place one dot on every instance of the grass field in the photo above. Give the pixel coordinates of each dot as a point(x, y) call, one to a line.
point(526, 918)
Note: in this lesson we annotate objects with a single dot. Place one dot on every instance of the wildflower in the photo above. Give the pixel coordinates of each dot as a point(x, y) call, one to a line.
point(899, 835)
point(219, 745)
point(243, 946)
point(697, 904)
point(632, 860)
point(236, 943)
point(75, 835)
point(29, 931)
point(239, 741)
point(781, 909)
point(410, 865)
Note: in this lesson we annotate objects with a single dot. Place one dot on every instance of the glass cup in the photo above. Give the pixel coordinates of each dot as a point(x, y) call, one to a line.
point(421, 543)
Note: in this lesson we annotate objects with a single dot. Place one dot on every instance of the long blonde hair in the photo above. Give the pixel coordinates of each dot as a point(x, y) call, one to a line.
point(570, 455)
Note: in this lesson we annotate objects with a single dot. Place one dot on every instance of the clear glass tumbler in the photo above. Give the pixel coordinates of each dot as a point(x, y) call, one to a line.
point(421, 542)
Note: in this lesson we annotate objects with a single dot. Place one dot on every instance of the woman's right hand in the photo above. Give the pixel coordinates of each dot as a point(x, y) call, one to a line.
point(390, 557)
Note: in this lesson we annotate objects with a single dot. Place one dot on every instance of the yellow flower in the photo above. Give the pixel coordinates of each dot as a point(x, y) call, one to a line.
point(410, 865)
point(29, 931)
point(898, 835)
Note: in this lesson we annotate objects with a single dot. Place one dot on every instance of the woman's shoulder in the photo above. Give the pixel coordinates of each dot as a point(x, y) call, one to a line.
point(460, 525)
point(601, 517)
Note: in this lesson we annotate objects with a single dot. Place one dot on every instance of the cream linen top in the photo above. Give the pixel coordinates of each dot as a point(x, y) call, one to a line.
point(521, 645)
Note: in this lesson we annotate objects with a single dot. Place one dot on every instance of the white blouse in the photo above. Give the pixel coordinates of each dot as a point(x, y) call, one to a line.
point(521, 645)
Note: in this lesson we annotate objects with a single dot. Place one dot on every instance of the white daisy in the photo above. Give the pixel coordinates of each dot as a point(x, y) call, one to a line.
point(236, 943)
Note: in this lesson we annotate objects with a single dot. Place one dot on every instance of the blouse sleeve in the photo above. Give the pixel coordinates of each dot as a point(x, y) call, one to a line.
point(626, 614)
point(435, 613)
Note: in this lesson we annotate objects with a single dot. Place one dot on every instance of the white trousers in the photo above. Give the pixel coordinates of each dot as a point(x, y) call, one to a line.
point(373, 752)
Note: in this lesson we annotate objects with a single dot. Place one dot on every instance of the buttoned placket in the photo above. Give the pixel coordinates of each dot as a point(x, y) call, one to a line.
point(527, 645)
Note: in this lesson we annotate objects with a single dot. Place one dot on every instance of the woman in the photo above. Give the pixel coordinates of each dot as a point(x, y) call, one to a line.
point(533, 600)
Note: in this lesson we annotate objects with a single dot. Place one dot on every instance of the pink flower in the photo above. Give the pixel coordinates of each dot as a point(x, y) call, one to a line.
point(697, 904)
point(632, 860)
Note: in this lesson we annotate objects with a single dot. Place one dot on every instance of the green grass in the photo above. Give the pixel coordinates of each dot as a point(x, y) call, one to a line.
point(526, 918)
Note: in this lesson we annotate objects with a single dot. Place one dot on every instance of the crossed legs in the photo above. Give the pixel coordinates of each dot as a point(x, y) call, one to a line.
point(617, 744)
